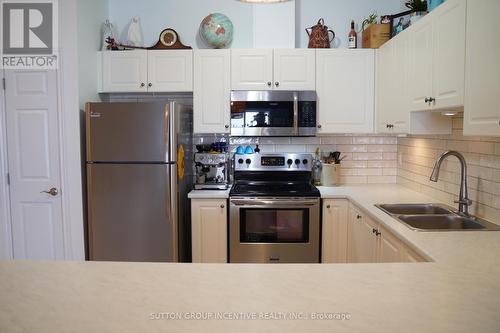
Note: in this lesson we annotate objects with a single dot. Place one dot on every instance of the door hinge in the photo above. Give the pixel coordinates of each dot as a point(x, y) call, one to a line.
point(8, 179)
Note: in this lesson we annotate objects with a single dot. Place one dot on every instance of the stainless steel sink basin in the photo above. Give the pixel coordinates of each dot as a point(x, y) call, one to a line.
point(415, 209)
point(441, 222)
point(435, 217)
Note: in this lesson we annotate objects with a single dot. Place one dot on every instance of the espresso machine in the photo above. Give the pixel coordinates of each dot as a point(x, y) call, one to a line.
point(211, 171)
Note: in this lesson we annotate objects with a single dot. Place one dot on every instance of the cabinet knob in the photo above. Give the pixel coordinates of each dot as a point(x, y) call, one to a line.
point(222, 206)
point(359, 217)
point(319, 126)
point(226, 126)
point(277, 84)
point(269, 84)
point(389, 126)
point(142, 85)
point(430, 99)
point(150, 85)
point(328, 206)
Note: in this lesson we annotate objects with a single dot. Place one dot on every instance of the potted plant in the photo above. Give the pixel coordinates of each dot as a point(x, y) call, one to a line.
point(374, 34)
point(418, 7)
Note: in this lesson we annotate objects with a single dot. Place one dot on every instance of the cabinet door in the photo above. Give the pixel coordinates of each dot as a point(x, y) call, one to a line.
point(334, 231)
point(123, 71)
point(170, 71)
point(482, 75)
point(345, 88)
point(212, 89)
point(209, 230)
point(389, 249)
point(449, 54)
point(392, 94)
point(251, 69)
point(294, 69)
point(361, 241)
point(421, 55)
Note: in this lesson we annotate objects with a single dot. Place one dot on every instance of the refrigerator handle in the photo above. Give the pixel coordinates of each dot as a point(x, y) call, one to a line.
point(174, 206)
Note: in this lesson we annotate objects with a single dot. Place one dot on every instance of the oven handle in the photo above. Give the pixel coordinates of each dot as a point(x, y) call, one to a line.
point(286, 202)
point(296, 113)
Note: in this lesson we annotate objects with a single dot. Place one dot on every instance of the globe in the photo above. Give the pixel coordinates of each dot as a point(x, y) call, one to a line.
point(217, 30)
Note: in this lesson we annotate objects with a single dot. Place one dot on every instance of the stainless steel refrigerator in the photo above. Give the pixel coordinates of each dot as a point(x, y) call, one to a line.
point(139, 171)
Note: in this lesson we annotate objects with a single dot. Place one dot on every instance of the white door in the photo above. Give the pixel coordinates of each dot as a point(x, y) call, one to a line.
point(294, 69)
point(361, 241)
point(389, 249)
point(251, 69)
point(392, 73)
point(346, 89)
point(170, 70)
point(34, 164)
point(209, 230)
point(421, 55)
point(449, 54)
point(212, 90)
point(124, 71)
point(482, 74)
point(334, 231)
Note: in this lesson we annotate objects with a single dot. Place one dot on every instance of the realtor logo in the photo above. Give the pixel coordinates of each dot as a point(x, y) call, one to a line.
point(29, 34)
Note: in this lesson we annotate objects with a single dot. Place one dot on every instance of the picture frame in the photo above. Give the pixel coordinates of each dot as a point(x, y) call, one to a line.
point(399, 22)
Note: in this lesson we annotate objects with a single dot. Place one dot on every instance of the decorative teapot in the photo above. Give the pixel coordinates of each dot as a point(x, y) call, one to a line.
point(319, 36)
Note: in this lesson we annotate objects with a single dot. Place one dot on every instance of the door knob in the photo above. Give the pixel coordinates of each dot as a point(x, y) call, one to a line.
point(222, 206)
point(150, 85)
point(277, 84)
point(269, 84)
point(328, 206)
point(226, 126)
point(142, 85)
point(53, 192)
point(319, 126)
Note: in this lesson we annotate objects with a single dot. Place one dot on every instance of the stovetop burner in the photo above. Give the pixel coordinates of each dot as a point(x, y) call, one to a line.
point(274, 189)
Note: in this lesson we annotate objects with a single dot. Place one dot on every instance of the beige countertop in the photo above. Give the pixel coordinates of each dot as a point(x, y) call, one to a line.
point(458, 292)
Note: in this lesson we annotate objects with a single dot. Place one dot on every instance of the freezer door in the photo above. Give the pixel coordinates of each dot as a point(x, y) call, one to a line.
point(129, 213)
point(127, 132)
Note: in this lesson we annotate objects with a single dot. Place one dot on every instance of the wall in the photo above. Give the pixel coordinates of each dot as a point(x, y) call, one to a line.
point(417, 155)
point(91, 15)
point(369, 158)
point(185, 16)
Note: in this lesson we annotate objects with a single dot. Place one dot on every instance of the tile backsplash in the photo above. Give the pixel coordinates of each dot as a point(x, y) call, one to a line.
point(369, 158)
point(417, 155)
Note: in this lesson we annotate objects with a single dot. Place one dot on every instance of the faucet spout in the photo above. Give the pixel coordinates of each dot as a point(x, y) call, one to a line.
point(463, 201)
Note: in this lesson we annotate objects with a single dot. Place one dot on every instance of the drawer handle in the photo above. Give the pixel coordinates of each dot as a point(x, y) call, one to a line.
point(376, 232)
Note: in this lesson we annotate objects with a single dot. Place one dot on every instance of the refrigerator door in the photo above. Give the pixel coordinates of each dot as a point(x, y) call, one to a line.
point(127, 132)
point(182, 174)
point(130, 217)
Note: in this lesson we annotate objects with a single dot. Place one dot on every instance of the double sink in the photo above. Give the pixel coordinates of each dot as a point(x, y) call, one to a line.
point(435, 217)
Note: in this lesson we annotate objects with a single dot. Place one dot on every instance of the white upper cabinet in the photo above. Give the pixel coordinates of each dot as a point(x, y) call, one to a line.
point(392, 95)
point(268, 69)
point(345, 84)
point(170, 71)
point(252, 69)
point(123, 71)
point(212, 90)
point(145, 71)
point(437, 58)
point(449, 55)
point(294, 69)
point(482, 75)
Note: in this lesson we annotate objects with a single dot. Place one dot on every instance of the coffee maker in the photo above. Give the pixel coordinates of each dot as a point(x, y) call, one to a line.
point(211, 171)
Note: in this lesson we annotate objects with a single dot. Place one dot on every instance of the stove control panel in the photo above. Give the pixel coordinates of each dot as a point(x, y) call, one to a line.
point(273, 162)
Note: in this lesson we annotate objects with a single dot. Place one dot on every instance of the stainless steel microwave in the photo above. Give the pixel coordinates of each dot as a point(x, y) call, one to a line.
point(273, 113)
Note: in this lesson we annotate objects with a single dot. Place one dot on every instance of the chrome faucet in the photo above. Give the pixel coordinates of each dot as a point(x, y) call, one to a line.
point(463, 201)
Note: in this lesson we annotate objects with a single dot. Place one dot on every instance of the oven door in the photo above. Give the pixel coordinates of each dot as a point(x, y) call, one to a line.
point(271, 230)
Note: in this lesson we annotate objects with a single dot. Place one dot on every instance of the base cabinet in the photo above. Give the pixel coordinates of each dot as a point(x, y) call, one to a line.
point(361, 241)
point(334, 242)
point(209, 230)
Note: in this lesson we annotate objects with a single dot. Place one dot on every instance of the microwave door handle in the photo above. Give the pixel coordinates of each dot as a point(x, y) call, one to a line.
point(296, 113)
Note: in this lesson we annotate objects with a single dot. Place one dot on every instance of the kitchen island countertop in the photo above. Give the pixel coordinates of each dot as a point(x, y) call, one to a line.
point(458, 291)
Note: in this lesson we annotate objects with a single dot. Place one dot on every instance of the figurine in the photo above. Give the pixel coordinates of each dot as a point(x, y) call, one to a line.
point(107, 32)
point(134, 35)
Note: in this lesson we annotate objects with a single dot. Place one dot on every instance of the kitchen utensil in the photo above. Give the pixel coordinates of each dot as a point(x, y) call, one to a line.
point(319, 35)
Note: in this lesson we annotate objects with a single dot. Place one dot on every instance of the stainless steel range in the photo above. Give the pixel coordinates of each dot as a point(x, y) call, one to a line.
point(274, 210)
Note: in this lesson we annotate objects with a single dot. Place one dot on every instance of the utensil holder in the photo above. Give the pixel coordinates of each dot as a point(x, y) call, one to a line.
point(330, 175)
